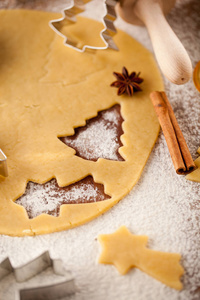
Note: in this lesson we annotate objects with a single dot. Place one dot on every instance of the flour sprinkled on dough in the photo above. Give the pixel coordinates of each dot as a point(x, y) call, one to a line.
point(100, 137)
point(47, 198)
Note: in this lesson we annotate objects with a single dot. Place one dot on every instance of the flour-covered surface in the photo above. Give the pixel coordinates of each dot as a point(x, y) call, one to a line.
point(47, 198)
point(164, 206)
point(100, 137)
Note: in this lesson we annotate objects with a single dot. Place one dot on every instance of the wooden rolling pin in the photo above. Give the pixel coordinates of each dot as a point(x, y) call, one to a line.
point(170, 53)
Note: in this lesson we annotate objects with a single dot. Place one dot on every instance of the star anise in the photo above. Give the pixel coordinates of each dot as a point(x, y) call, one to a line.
point(126, 83)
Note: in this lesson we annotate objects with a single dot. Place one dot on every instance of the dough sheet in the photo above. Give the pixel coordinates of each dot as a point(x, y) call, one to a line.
point(46, 91)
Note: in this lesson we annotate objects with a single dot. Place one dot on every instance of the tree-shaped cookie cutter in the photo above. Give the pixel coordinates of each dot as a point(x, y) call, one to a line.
point(3, 164)
point(69, 18)
point(48, 291)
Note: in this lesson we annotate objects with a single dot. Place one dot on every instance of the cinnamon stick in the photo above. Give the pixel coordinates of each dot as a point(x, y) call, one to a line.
point(180, 154)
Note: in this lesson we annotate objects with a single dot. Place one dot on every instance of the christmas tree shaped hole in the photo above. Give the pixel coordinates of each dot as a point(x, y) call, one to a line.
point(100, 137)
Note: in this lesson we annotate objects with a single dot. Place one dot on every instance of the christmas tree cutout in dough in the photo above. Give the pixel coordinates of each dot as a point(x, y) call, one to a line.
point(125, 251)
point(195, 175)
point(100, 137)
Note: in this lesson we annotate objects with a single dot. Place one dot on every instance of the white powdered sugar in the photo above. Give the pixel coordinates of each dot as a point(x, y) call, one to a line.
point(163, 205)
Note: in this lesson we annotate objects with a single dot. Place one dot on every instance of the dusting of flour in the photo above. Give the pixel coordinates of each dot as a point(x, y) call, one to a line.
point(100, 138)
point(163, 206)
point(47, 198)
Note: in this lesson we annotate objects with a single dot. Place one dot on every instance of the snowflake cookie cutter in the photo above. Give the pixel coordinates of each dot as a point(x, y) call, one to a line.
point(47, 291)
point(69, 17)
point(3, 164)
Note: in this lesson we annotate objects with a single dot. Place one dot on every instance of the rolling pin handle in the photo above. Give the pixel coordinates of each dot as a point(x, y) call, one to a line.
point(170, 53)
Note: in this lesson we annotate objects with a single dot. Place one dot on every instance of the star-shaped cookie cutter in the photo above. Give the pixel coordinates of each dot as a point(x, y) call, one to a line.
point(3, 164)
point(69, 17)
point(63, 288)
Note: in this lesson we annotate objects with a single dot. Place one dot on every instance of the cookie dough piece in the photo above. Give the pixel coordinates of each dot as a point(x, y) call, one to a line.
point(195, 175)
point(125, 251)
point(46, 91)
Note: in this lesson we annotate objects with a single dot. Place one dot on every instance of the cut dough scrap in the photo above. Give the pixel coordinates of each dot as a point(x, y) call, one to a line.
point(46, 91)
point(125, 251)
point(195, 175)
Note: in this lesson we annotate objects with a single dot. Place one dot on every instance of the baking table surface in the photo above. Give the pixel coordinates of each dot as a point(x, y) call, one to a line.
point(163, 205)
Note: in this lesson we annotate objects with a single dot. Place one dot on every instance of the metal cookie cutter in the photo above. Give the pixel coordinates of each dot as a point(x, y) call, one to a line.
point(48, 291)
point(69, 17)
point(3, 164)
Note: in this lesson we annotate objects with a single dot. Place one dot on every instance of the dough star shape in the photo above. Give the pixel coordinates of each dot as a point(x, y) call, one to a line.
point(47, 90)
point(125, 251)
point(195, 175)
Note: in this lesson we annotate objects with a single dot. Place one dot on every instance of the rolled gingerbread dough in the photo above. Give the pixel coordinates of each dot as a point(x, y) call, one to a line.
point(46, 91)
